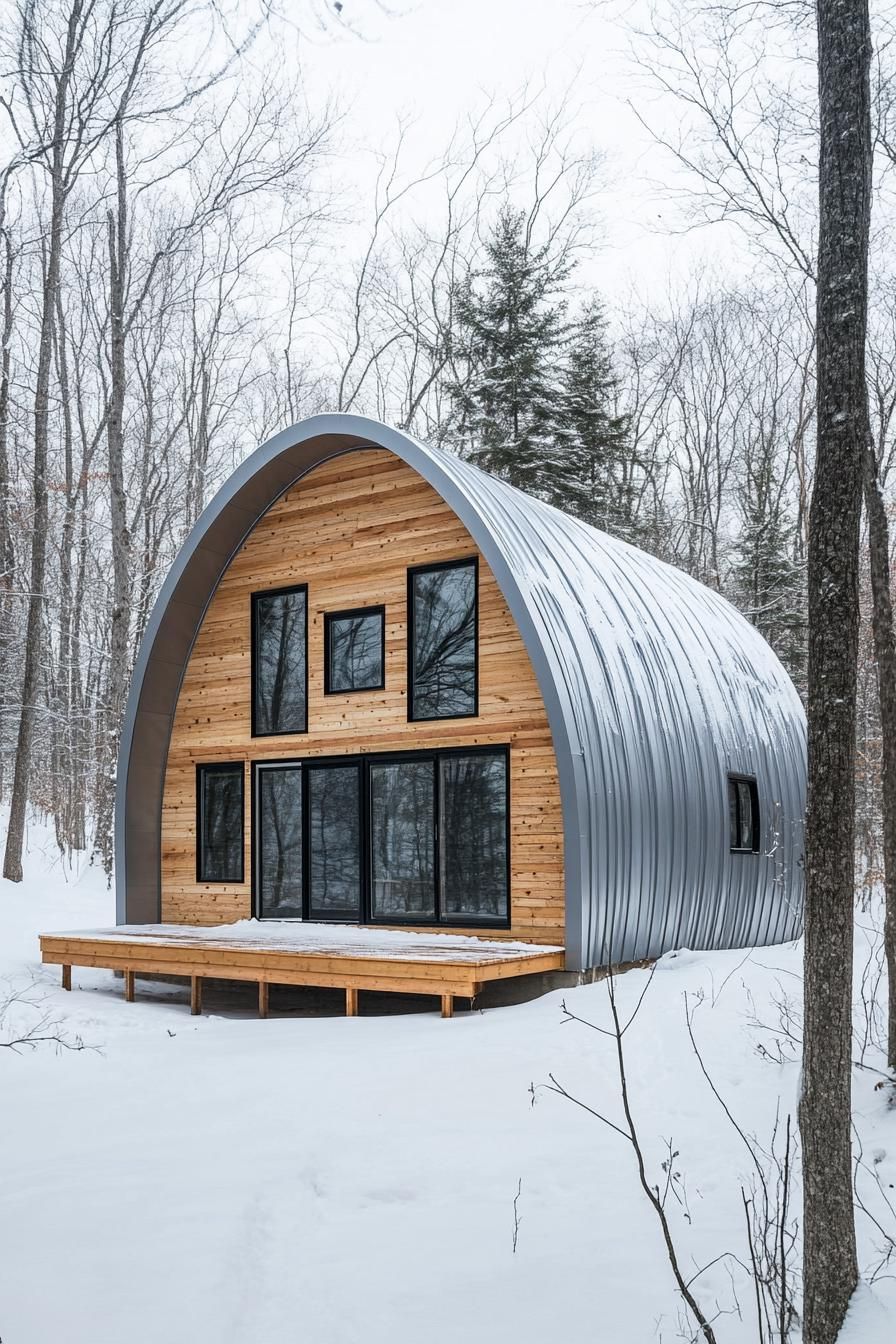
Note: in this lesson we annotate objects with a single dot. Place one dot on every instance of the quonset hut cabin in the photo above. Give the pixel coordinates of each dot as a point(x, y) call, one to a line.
point(396, 725)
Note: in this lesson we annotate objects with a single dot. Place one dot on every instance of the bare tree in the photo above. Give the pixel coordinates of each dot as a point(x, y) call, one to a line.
point(655, 1192)
point(830, 1268)
point(62, 69)
point(747, 154)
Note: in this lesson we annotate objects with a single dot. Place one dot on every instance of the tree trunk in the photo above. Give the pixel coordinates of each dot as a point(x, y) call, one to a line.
point(830, 1270)
point(7, 561)
point(116, 687)
point(885, 653)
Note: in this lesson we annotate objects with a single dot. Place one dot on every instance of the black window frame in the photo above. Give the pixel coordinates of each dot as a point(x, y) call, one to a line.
point(377, 609)
point(288, 763)
point(733, 780)
point(219, 767)
point(364, 761)
point(462, 562)
point(309, 765)
point(257, 596)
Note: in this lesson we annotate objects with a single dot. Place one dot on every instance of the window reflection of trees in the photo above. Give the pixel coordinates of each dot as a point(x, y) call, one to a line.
point(280, 638)
point(444, 632)
point(280, 859)
point(356, 646)
point(334, 841)
point(222, 825)
point(473, 826)
point(402, 839)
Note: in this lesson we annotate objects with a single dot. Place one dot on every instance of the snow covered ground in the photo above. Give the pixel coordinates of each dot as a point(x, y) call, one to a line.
point(352, 1181)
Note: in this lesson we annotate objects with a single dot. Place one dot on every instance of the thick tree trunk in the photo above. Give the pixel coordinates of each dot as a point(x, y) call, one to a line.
point(885, 653)
point(830, 1269)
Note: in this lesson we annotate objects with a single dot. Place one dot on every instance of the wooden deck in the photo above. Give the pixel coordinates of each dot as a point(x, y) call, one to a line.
point(323, 955)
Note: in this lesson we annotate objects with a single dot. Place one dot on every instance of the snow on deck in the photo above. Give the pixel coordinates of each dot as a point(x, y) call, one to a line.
point(308, 939)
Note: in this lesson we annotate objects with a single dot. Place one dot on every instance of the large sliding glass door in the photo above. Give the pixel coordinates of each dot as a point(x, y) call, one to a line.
point(420, 838)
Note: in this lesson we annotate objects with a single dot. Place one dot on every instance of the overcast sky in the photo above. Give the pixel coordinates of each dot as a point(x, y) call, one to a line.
point(438, 59)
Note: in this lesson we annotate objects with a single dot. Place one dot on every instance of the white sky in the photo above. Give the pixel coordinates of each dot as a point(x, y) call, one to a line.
point(438, 59)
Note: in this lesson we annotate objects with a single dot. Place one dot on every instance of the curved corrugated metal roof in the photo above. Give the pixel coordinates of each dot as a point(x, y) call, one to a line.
point(655, 688)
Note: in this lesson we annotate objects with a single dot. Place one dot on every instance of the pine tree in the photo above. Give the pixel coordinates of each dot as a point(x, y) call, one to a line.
point(511, 331)
point(768, 578)
point(593, 474)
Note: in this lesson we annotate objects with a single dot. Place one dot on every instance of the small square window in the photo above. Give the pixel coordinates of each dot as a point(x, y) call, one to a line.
point(743, 815)
point(355, 650)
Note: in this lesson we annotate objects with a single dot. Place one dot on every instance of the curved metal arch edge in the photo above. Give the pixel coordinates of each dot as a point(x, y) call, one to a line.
point(177, 617)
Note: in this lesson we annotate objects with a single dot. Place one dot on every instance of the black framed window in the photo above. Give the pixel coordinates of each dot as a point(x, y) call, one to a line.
point(743, 814)
point(442, 634)
point(334, 841)
point(280, 661)
point(419, 837)
point(219, 822)
point(403, 840)
point(355, 643)
point(473, 830)
point(279, 874)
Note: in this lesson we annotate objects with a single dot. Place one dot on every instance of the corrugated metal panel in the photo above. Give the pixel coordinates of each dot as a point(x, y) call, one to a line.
point(655, 688)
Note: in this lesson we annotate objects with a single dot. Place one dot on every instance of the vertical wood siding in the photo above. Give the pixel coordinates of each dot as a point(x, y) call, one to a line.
point(350, 530)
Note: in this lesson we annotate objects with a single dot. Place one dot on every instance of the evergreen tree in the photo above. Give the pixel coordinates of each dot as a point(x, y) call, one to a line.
point(593, 472)
point(769, 580)
point(511, 331)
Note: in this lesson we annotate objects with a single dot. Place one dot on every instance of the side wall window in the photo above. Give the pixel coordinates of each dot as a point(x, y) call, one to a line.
point(743, 814)
point(442, 655)
point(219, 815)
point(280, 661)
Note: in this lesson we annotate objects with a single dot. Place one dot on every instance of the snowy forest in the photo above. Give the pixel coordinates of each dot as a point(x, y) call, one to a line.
point(656, 306)
point(185, 271)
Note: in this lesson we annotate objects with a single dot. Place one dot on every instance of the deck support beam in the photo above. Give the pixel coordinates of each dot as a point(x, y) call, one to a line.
point(129, 986)
point(351, 1002)
point(263, 998)
point(447, 1005)
point(195, 995)
point(66, 977)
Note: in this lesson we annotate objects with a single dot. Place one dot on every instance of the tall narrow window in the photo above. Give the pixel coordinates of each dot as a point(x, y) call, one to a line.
point(743, 814)
point(402, 840)
point(355, 650)
point(280, 661)
point(278, 843)
point(219, 814)
point(473, 831)
point(442, 635)
point(334, 841)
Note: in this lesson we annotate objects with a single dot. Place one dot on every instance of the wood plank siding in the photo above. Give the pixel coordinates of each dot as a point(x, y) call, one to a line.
point(350, 530)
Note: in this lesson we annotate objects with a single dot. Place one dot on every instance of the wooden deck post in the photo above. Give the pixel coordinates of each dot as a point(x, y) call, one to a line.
point(351, 1003)
point(447, 1005)
point(66, 977)
point(195, 995)
point(129, 986)
point(263, 988)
